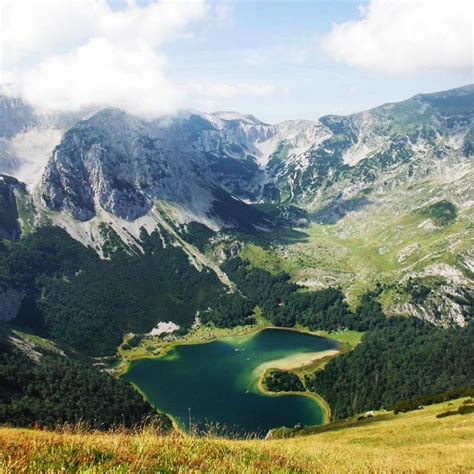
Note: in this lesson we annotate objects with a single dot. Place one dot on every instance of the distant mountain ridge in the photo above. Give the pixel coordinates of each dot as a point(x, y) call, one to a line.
point(424, 136)
point(121, 163)
point(401, 163)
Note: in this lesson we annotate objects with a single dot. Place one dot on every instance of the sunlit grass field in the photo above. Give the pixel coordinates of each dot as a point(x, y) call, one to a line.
point(382, 243)
point(411, 442)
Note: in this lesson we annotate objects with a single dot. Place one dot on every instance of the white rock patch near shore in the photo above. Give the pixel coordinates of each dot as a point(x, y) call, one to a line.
point(163, 328)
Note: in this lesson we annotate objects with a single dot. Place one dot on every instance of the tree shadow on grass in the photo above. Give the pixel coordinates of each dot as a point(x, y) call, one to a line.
point(338, 208)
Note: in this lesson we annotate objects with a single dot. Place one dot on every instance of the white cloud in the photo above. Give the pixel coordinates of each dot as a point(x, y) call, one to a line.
point(102, 74)
point(212, 96)
point(68, 54)
point(224, 90)
point(32, 29)
point(224, 11)
point(406, 35)
point(35, 28)
point(252, 57)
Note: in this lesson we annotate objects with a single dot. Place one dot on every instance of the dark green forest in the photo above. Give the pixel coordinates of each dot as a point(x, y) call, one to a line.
point(282, 381)
point(62, 390)
point(230, 310)
point(405, 359)
point(285, 303)
point(78, 299)
point(398, 358)
point(88, 303)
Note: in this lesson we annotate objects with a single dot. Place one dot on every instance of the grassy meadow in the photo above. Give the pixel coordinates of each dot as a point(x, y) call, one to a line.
point(385, 242)
point(412, 442)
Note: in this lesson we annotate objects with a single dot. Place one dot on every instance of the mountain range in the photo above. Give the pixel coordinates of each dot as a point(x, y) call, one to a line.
point(405, 166)
point(116, 231)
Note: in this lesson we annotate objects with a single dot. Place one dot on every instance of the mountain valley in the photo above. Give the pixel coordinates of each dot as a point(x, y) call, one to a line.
point(350, 225)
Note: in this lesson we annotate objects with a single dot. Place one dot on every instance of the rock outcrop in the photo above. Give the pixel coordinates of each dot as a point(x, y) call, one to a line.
point(10, 302)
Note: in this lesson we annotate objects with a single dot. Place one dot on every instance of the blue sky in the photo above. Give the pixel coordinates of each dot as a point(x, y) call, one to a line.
point(276, 59)
point(278, 43)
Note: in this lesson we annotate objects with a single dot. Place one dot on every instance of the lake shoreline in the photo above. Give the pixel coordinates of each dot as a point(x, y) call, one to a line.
point(322, 404)
point(313, 362)
point(295, 362)
point(344, 340)
point(192, 339)
point(166, 347)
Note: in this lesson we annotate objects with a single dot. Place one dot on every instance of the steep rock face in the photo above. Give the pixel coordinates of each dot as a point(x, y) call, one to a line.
point(121, 164)
point(10, 302)
point(199, 163)
point(9, 224)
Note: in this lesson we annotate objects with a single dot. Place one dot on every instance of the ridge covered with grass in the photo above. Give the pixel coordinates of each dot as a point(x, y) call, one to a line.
point(417, 441)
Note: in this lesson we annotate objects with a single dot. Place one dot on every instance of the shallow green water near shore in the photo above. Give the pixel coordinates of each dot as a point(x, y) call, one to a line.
point(216, 383)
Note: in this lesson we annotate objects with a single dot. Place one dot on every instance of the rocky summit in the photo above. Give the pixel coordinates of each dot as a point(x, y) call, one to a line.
point(121, 163)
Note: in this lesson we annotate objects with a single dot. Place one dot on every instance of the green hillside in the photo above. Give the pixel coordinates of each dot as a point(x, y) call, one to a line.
point(418, 441)
point(408, 238)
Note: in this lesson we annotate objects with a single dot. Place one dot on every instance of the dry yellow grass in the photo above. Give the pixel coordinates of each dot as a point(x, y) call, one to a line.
point(415, 442)
point(411, 442)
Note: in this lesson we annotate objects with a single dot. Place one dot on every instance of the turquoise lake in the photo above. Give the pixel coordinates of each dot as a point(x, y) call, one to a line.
point(216, 383)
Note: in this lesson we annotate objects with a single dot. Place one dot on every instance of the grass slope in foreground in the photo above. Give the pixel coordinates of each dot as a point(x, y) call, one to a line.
point(411, 442)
